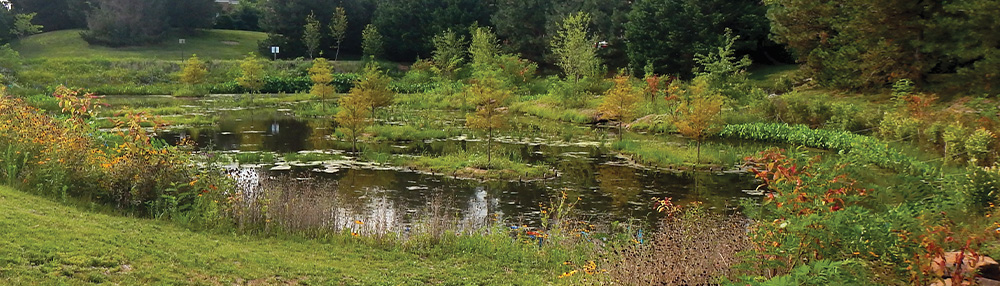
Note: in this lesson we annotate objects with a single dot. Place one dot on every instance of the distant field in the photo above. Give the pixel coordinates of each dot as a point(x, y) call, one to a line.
point(211, 44)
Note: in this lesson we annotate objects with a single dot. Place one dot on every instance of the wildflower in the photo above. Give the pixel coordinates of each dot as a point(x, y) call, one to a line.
point(358, 222)
point(567, 274)
point(354, 234)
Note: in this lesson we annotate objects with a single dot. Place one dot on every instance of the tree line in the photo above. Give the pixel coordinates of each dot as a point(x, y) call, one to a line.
point(849, 44)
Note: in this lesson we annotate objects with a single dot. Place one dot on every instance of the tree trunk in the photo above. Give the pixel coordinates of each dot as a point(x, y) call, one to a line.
point(699, 153)
point(489, 147)
point(620, 123)
point(336, 55)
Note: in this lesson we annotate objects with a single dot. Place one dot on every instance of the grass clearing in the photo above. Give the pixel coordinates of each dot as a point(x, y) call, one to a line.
point(207, 44)
point(48, 243)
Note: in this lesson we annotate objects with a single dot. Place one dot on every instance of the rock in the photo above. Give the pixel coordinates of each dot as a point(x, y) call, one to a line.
point(987, 269)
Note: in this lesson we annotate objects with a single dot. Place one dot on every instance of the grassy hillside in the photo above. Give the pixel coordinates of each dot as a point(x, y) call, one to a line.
point(211, 44)
point(46, 243)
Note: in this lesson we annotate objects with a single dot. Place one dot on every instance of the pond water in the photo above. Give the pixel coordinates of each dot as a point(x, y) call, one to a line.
point(608, 186)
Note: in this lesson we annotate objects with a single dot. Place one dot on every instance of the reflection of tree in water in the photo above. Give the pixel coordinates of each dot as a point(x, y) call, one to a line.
point(706, 187)
point(319, 130)
point(359, 182)
point(619, 183)
point(576, 171)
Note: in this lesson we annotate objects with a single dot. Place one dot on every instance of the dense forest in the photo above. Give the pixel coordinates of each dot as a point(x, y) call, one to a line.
point(842, 44)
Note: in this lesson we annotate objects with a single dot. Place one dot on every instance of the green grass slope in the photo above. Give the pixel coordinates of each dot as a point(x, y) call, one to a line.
point(209, 44)
point(46, 243)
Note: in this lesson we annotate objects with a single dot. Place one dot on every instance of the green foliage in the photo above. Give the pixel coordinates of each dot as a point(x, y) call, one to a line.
point(194, 71)
point(483, 50)
point(119, 23)
point(866, 148)
point(408, 25)
point(371, 42)
point(698, 118)
point(980, 189)
point(491, 115)
point(23, 26)
point(727, 75)
point(311, 35)
point(620, 102)
point(449, 53)
point(321, 77)
point(854, 44)
point(820, 110)
point(338, 29)
point(190, 15)
point(668, 33)
point(251, 73)
point(574, 48)
point(816, 273)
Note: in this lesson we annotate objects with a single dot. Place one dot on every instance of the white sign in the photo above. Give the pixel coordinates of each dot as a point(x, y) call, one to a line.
point(181, 41)
point(274, 49)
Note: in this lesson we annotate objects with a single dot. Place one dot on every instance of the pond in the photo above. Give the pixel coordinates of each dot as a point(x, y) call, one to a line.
point(609, 187)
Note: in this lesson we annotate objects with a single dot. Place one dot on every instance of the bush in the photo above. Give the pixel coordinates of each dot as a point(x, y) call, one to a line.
point(191, 91)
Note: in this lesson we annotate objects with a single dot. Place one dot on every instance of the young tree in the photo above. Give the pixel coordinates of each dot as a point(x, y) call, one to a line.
point(374, 86)
point(449, 53)
point(252, 77)
point(338, 29)
point(353, 115)
point(194, 71)
point(371, 42)
point(483, 50)
point(699, 117)
point(490, 113)
point(23, 26)
point(620, 102)
point(321, 75)
point(574, 47)
point(311, 35)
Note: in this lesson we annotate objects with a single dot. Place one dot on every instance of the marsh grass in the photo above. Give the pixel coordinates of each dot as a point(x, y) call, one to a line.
point(693, 247)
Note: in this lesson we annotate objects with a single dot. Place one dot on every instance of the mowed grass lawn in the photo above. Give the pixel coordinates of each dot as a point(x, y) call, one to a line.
point(47, 243)
point(209, 44)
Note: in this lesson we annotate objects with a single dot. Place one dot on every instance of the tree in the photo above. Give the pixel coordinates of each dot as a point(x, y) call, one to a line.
point(6, 26)
point(483, 50)
point(311, 35)
point(669, 33)
point(374, 86)
point(189, 15)
point(726, 74)
point(23, 26)
point(321, 75)
point(353, 115)
point(119, 23)
point(407, 25)
point(56, 14)
point(252, 76)
point(574, 47)
point(855, 43)
point(371, 42)
point(338, 29)
point(490, 113)
point(449, 53)
point(522, 25)
point(194, 71)
point(620, 102)
point(699, 116)
point(963, 35)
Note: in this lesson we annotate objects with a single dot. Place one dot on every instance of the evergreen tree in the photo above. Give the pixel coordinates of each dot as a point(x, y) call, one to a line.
point(669, 33)
point(126, 23)
point(189, 15)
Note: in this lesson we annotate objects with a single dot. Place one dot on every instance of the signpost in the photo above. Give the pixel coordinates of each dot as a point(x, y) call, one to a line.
point(274, 51)
point(181, 42)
